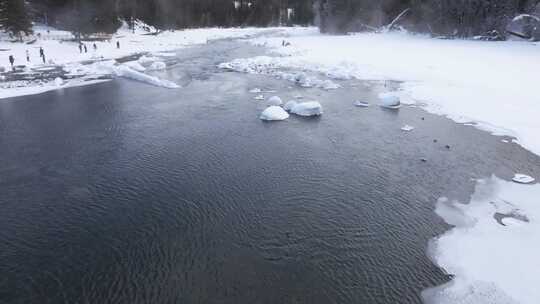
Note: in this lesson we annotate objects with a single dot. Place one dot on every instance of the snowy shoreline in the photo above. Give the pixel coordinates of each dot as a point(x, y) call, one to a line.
point(491, 85)
point(67, 56)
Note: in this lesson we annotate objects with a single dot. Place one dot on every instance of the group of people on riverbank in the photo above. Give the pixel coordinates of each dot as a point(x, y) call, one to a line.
point(41, 55)
point(82, 47)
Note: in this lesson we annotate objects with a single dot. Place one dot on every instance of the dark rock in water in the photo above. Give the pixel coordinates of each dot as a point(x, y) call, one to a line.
point(435, 140)
point(423, 160)
point(447, 147)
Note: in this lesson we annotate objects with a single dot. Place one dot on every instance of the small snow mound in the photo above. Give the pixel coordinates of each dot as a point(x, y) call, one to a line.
point(523, 179)
point(158, 65)
point(389, 100)
point(274, 113)
point(363, 104)
point(255, 90)
point(407, 128)
point(274, 101)
point(289, 105)
point(58, 81)
point(310, 108)
point(259, 97)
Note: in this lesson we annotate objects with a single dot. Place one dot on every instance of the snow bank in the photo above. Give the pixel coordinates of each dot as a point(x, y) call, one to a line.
point(493, 84)
point(493, 251)
point(274, 113)
point(310, 108)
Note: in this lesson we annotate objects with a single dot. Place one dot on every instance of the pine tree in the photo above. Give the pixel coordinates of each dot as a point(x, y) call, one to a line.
point(14, 17)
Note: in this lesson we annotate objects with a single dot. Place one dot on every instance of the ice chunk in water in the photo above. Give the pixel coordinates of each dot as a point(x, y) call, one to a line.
point(274, 113)
point(389, 100)
point(360, 103)
point(523, 179)
point(407, 128)
point(310, 108)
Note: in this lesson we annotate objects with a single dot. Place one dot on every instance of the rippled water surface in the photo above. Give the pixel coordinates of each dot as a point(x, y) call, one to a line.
point(126, 193)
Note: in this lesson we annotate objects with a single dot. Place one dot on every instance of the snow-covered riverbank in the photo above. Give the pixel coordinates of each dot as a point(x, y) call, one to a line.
point(490, 84)
point(68, 56)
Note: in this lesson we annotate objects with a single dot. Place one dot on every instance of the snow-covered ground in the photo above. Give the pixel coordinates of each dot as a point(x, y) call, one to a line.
point(59, 52)
point(494, 248)
point(491, 84)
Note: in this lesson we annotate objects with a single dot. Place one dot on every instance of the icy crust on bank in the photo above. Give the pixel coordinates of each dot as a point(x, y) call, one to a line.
point(493, 84)
point(494, 248)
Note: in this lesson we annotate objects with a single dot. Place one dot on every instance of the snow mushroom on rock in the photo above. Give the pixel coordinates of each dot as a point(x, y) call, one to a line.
point(289, 105)
point(274, 101)
point(310, 108)
point(274, 113)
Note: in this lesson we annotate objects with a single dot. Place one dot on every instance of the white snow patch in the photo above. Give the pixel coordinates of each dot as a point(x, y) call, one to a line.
point(274, 113)
point(310, 108)
point(259, 97)
point(59, 81)
point(407, 128)
point(492, 262)
point(523, 179)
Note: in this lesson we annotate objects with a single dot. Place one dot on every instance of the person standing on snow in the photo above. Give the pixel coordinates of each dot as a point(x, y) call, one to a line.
point(80, 48)
point(27, 56)
point(95, 47)
point(12, 61)
point(85, 48)
point(42, 54)
point(118, 44)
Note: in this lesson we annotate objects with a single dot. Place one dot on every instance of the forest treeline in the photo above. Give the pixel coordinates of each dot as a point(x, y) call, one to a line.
point(462, 18)
point(89, 16)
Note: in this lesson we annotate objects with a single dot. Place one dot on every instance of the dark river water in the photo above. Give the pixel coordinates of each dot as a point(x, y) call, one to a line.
point(126, 193)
